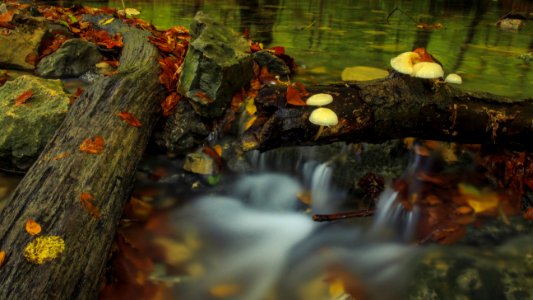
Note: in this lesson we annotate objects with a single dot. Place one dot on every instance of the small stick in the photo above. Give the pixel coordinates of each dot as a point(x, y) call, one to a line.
point(397, 9)
point(343, 215)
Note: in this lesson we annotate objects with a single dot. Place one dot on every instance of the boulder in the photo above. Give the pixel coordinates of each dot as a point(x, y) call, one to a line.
point(182, 131)
point(217, 65)
point(74, 58)
point(26, 128)
point(274, 64)
point(24, 42)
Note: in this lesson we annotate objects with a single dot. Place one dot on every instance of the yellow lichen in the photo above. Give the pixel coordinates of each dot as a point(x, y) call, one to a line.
point(43, 249)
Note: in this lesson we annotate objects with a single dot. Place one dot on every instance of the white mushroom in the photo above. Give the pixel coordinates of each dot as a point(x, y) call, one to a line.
point(323, 117)
point(319, 100)
point(404, 62)
point(428, 70)
point(453, 78)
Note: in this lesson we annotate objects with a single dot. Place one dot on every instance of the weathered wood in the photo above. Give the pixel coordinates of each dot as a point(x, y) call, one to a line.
point(50, 191)
point(391, 108)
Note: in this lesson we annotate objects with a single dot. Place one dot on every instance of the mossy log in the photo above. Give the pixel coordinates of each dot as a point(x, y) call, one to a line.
point(391, 108)
point(50, 192)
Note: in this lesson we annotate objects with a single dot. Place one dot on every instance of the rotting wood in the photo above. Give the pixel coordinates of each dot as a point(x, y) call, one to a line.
point(50, 192)
point(392, 108)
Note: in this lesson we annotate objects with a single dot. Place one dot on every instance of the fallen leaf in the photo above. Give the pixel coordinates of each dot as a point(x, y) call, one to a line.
point(170, 102)
point(250, 122)
point(95, 146)
point(32, 228)
point(528, 214)
point(22, 98)
point(129, 118)
point(61, 155)
point(218, 150)
point(87, 202)
point(2, 258)
point(250, 107)
point(5, 20)
point(43, 249)
point(293, 97)
point(480, 201)
point(108, 21)
point(225, 290)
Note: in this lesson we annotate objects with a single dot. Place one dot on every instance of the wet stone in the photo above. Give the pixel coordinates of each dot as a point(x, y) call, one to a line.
point(216, 66)
point(27, 128)
point(74, 58)
point(274, 64)
point(199, 163)
point(24, 41)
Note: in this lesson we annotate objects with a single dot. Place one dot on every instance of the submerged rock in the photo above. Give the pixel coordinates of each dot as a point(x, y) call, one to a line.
point(182, 131)
point(74, 58)
point(20, 45)
point(217, 65)
point(26, 128)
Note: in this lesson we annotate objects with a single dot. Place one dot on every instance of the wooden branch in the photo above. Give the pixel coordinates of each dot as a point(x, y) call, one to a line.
point(50, 192)
point(391, 108)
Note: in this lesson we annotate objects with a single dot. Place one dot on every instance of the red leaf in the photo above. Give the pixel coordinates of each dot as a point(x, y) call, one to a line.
point(22, 98)
point(170, 102)
point(86, 200)
point(129, 118)
point(95, 146)
point(293, 97)
point(278, 50)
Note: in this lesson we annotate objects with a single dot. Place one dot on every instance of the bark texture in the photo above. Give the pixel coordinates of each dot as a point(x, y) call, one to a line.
point(396, 107)
point(50, 191)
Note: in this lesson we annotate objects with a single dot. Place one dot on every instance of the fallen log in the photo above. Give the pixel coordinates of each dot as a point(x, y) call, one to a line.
point(51, 190)
point(391, 108)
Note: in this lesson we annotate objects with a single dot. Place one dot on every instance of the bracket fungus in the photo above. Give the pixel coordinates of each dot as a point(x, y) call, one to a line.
point(323, 117)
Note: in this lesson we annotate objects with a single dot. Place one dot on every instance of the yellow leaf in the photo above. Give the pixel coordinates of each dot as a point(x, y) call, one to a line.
point(43, 249)
point(105, 22)
point(32, 227)
point(132, 11)
point(225, 290)
point(2, 258)
point(336, 288)
point(250, 122)
point(250, 106)
point(480, 201)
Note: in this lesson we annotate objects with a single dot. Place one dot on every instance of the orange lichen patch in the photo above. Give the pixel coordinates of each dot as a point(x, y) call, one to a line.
point(93, 146)
point(32, 228)
point(129, 118)
point(43, 249)
point(86, 200)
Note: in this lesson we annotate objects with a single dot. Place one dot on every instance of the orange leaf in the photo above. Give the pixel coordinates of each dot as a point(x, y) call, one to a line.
point(32, 227)
point(61, 155)
point(95, 146)
point(22, 98)
point(170, 102)
point(293, 97)
point(2, 258)
point(87, 202)
point(129, 118)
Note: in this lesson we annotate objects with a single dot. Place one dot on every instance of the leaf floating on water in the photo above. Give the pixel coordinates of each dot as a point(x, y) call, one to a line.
point(2, 258)
point(225, 290)
point(95, 146)
point(22, 98)
point(87, 202)
point(33, 228)
point(43, 249)
point(129, 118)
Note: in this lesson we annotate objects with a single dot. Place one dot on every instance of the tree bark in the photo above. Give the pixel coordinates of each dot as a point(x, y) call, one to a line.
point(50, 191)
point(396, 107)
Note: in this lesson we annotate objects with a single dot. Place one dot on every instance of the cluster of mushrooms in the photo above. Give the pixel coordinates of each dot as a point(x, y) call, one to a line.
point(420, 64)
point(417, 63)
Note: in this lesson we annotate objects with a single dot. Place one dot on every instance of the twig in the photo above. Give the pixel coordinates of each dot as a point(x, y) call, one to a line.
point(343, 215)
point(397, 9)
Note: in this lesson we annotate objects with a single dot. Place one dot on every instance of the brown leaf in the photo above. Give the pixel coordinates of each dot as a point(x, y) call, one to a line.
point(170, 102)
point(33, 228)
point(22, 98)
point(129, 118)
point(95, 146)
point(87, 202)
point(293, 97)
point(528, 215)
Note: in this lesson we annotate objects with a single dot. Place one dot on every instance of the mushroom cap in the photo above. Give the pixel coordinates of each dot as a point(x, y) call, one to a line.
point(428, 70)
point(324, 117)
point(319, 99)
point(453, 78)
point(403, 63)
